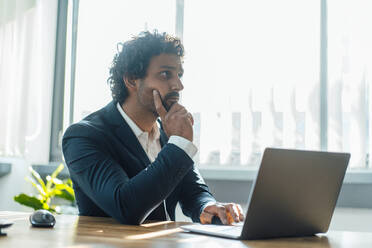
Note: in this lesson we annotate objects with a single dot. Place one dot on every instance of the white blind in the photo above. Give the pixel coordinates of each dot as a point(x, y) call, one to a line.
point(252, 77)
point(27, 47)
point(349, 79)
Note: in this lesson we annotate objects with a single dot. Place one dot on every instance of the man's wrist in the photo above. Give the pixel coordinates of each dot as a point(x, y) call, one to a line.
point(207, 205)
point(187, 146)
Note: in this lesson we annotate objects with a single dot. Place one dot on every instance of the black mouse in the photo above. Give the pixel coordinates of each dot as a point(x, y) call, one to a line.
point(42, 218)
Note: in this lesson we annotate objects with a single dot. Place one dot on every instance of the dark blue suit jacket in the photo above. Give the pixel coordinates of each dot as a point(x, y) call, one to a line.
point(113, 176)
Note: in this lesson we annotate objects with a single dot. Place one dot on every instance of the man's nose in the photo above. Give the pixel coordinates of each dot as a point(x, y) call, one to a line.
point(177, 85)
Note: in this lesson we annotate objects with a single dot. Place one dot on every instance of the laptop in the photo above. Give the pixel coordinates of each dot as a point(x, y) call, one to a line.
point(294, 194)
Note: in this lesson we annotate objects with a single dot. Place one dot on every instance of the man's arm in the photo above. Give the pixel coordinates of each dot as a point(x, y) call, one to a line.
point(194, 195)
point(105, 182)
point(195, 198)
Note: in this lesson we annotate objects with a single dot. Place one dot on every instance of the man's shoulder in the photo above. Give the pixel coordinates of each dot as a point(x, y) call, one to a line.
point(96, 123)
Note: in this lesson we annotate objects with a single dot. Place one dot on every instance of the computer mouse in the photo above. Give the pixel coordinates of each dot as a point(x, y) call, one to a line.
point(42, 218)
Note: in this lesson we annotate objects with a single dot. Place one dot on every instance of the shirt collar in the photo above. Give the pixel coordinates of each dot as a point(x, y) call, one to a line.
point(154, 134)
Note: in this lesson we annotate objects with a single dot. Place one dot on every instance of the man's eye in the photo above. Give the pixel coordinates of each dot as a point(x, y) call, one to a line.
point(165, 74)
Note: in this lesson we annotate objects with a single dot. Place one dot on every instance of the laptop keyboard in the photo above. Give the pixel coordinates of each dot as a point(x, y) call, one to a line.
point(233, 230)
point(230, 230)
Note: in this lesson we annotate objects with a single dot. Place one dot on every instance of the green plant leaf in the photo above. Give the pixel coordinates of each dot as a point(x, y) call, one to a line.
point(65, 195)
point(53, 187)
point(62, 189)
point(37, 186)
point(47, 207)
point(57, 181)
point(54, 175)
point(70, 190)
point(57, 171)
point(29, 201)
point(61, 186)
point(38, 178)
point(68, 182)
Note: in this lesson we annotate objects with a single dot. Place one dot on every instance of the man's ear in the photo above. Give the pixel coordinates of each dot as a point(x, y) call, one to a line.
point(129, 82)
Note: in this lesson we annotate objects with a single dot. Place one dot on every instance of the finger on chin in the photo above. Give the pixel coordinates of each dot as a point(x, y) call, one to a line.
point(158, 104)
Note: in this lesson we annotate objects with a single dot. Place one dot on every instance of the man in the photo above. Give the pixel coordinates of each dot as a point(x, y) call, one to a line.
point(121, 163)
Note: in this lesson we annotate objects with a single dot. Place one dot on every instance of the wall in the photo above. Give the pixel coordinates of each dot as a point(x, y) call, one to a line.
point(351, 195)
point(13, 184)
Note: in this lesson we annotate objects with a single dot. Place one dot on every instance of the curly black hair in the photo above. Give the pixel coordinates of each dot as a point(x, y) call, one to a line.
point(133, 59)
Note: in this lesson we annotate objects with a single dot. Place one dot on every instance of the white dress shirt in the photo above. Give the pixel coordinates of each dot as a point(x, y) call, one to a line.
point(150, 143)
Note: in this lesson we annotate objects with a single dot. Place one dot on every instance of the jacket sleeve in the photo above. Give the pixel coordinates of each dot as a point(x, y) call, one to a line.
point(104, 181)
point(194, 195)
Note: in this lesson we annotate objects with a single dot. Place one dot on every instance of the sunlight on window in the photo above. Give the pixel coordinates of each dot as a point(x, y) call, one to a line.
point(252, 71)
point(350, 68)
point(102, 25)
point(252, 77)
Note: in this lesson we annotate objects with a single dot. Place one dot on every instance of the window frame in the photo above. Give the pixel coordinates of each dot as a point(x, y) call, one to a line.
point(59, 77)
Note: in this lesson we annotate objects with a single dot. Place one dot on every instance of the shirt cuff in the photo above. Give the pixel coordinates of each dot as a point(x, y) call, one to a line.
point(186, 145)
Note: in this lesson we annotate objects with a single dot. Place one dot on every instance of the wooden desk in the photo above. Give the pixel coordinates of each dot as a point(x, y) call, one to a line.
point(75, 231)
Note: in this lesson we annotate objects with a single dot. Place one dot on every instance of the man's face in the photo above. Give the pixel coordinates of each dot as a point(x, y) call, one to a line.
point(164, 75)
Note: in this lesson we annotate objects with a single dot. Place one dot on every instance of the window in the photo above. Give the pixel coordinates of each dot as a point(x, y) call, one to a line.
point(27, 45)
point(101, 26)
point(252, 77)
point(255, 71)
point(349, 78)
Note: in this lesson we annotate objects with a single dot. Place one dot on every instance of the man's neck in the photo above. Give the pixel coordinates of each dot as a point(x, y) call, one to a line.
point(145, 120)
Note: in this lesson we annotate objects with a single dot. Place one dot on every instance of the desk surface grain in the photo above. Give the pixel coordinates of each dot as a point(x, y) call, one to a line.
point(82, 231)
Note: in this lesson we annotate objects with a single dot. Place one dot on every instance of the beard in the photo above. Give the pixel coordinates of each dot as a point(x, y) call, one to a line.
point(170, 95)
point(145, 98)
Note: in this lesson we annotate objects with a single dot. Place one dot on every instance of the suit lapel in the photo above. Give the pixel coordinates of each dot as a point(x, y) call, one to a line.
point(129, 139)
point(125, 133)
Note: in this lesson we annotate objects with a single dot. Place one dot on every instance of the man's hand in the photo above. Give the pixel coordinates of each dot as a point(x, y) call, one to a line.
point(227, 212)
point(177, 121)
